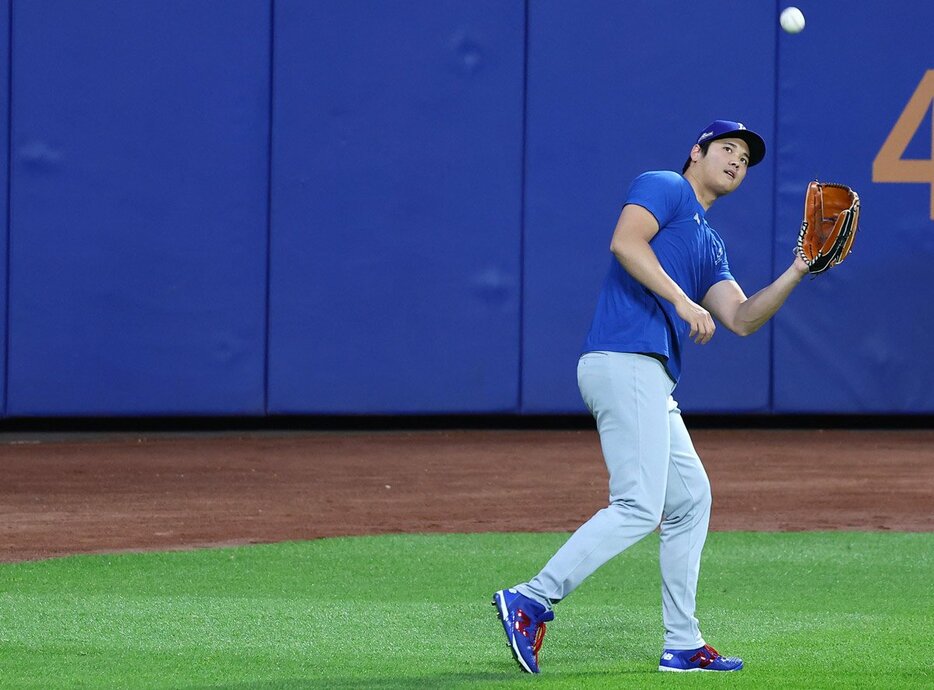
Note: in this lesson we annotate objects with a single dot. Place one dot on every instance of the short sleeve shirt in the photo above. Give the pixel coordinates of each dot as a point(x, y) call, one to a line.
point(631, 318)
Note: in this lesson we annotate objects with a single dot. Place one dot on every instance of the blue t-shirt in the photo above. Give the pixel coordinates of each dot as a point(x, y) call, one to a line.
point(630, 317)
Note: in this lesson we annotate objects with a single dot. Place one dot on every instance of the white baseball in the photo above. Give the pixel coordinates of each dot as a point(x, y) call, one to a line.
point(792, 20)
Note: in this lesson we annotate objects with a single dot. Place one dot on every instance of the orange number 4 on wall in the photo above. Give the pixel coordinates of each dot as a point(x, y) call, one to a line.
point(889, 166)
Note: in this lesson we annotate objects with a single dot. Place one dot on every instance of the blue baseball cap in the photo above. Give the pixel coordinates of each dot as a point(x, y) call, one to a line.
point(720, 129)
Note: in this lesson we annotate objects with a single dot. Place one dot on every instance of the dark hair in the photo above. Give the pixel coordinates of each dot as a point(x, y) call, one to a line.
point(703, 148)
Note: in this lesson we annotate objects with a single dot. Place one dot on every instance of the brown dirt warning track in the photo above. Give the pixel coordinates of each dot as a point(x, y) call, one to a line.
point(91, 493)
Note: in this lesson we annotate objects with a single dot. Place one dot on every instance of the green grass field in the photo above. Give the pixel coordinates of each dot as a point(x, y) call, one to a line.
point(805, 610)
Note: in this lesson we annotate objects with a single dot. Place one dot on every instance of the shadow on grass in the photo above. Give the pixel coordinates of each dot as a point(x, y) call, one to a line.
point(454, 680)
point(345, 683)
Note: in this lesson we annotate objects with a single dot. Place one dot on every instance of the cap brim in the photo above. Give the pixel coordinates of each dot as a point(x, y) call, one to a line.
point(755, 143)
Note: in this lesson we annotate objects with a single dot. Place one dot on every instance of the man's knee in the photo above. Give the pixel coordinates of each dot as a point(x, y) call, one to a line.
point(703, 499)
point(642, 511)
point(694, 501)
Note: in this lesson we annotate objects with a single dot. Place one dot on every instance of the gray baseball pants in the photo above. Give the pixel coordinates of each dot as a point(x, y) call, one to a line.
point(656, 478)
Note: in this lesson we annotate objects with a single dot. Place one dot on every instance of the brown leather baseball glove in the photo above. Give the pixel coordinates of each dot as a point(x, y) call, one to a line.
point(831, 217)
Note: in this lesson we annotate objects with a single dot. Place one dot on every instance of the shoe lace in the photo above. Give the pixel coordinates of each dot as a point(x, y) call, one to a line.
point(523, 623)
point(539, 636)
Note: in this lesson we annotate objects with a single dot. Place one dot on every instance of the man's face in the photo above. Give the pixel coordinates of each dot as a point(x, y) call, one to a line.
point(724, 166)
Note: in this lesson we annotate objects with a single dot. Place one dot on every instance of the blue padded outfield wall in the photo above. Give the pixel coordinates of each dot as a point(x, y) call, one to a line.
point(4, 171)
point(138, 224)
point(270, 207)
point(873, 342)
point(395, 273)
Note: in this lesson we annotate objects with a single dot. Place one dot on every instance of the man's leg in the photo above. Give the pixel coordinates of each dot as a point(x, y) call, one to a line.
point(628, 395)
point(683, 533)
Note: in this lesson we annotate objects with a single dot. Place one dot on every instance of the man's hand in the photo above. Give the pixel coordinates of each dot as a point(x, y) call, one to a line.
point(698, 318)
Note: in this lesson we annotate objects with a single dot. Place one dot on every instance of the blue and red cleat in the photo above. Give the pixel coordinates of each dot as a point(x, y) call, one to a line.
point(704, 658)
point(524, 622)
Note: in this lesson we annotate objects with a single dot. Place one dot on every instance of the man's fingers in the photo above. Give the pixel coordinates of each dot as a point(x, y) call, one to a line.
point(704, 330)
point(700, 321)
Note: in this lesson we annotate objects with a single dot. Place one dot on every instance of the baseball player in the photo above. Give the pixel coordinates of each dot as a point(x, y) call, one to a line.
point(667, 281)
